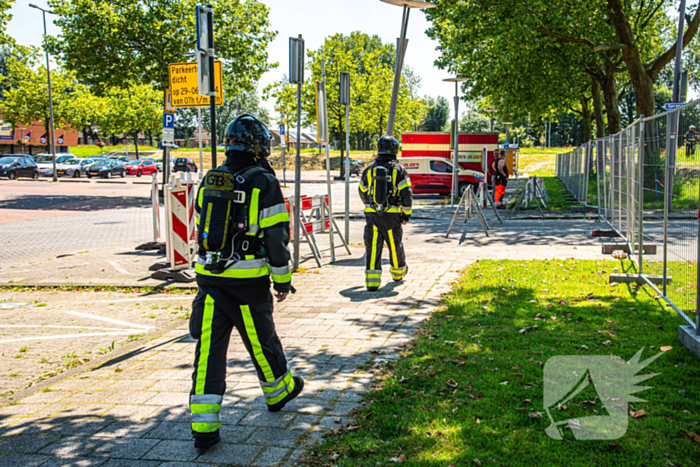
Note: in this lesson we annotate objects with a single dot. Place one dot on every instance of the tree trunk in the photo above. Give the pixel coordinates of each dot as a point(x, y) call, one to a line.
point(85, 136)
point(587, 126)
point(598, 110)
point(612, 106)
point(136, 144)
point(641, 80)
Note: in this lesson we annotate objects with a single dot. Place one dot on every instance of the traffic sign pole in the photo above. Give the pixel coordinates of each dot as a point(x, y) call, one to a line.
point(212, 86)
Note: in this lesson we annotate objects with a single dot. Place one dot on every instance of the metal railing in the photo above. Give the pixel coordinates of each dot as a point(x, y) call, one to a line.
point(648, 191)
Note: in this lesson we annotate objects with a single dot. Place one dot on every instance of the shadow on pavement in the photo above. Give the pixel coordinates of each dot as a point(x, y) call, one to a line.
point(72, 203)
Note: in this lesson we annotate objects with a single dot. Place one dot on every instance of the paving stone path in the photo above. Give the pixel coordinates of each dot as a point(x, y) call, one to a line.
point(132, 411)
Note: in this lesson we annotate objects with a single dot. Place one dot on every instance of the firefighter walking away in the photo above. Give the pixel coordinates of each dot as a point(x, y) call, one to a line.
point(385, 189)
point(242, 238)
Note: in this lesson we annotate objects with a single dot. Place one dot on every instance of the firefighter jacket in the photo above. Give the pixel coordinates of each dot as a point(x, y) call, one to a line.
point(692, 137)
point(400, 199)
point(261, 252)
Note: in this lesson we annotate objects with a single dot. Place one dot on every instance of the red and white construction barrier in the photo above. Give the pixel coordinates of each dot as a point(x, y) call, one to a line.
point(178, 244)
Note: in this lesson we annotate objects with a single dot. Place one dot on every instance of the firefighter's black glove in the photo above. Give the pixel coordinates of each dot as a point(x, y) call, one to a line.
point(405, 219)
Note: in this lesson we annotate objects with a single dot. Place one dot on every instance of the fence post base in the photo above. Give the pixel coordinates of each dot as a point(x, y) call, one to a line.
point(688, 337)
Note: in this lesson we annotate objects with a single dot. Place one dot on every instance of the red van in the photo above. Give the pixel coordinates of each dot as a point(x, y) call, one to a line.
point(433, 175)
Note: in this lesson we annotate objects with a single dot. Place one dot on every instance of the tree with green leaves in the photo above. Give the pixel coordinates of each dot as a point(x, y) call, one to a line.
point(26, 98)
point(131, 109)
point(108, 42)
point(437, 115)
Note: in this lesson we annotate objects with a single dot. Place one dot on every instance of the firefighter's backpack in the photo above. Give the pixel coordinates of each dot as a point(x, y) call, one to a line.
point(223, 211)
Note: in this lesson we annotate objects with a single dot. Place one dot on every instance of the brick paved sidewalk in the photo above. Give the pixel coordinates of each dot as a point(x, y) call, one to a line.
point(137, 415)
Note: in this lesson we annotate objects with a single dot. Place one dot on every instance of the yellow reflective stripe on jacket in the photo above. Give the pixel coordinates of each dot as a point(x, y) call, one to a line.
point(255, 344)
point(248, 269)
point(407, 211)
point(405, 184)
point(281, 275)
point(254, 212)
point(274, 220)
point(390, 210)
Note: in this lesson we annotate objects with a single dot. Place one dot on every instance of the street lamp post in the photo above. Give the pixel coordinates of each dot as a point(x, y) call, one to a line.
point(48, 79)
point(400, 54)
point(491, 112)
point(455, 165)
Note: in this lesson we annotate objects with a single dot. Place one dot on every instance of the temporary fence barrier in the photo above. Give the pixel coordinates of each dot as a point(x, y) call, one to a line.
point(573, 169)
point(470, 204)
point(315, 219)
point(647, 190)
point(533, 190)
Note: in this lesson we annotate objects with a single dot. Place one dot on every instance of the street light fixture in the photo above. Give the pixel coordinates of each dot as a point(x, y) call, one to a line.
point(455, 165)
point(400, 54)
point(48, 79)
point(508, 124)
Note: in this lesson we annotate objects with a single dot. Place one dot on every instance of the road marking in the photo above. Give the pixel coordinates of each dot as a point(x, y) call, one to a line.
point(57, 327)
point(109, 320)
point(142, 299)
point(118, 267)
point(67, 336)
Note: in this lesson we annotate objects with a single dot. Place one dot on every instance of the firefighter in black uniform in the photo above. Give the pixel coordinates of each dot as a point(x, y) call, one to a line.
point(385, 189)
point(234, 280)
point(499, 169)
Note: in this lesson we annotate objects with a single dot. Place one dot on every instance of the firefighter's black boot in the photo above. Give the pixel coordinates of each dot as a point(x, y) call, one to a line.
point(298, 387)
point(204, 441)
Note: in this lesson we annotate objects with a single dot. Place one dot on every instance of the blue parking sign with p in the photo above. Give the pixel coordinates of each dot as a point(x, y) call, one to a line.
point(168, 120)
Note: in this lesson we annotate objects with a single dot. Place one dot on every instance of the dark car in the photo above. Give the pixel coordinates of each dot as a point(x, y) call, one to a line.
point(106, 169)
point(184, 164)
point(13, 166)
point(356, 167)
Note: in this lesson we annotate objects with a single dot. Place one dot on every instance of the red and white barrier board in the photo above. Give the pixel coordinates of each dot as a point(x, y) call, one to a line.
point(179, 222)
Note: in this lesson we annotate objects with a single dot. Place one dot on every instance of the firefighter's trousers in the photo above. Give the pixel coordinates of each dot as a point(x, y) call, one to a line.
point(381, 229)
point(500, 189)
point(215, 311)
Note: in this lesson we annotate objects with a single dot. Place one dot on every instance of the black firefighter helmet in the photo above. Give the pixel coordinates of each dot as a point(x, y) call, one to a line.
point(388, 146)
point(249, 135)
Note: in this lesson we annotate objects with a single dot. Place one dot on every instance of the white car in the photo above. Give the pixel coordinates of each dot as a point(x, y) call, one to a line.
point(73, 167)
point(44, 162)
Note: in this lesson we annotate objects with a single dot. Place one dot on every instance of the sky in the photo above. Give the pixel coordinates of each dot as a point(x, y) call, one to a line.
point(314, 20)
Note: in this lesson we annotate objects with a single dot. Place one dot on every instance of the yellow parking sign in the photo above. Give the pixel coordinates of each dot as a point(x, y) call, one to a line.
point(184, 85)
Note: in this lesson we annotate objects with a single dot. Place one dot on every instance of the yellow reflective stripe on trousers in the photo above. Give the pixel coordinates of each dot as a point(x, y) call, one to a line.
point(392, 247)
point(375, 237)
point(204, 344)
point(252, 334)
point(254, 211)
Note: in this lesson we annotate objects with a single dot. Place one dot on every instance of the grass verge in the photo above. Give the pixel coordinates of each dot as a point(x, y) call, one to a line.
point(469, 388)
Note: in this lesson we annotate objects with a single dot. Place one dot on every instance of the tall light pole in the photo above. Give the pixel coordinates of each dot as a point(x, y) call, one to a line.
point(455, 165)
point(491, 112)
point(48, 79)
point(400, 54)
point(507, 124)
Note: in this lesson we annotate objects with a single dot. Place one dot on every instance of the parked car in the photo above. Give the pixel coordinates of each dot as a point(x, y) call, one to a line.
point(74, 167)
point(433, 175)
point(106, 169)
point(141, 167)
point(13, 166)
point(124, 159)
point(356, 167)
point(45, 162)
point(184, 164)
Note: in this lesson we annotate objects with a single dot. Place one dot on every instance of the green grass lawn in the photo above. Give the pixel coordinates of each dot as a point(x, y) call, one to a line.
point(469, 388)
point(87, 151)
